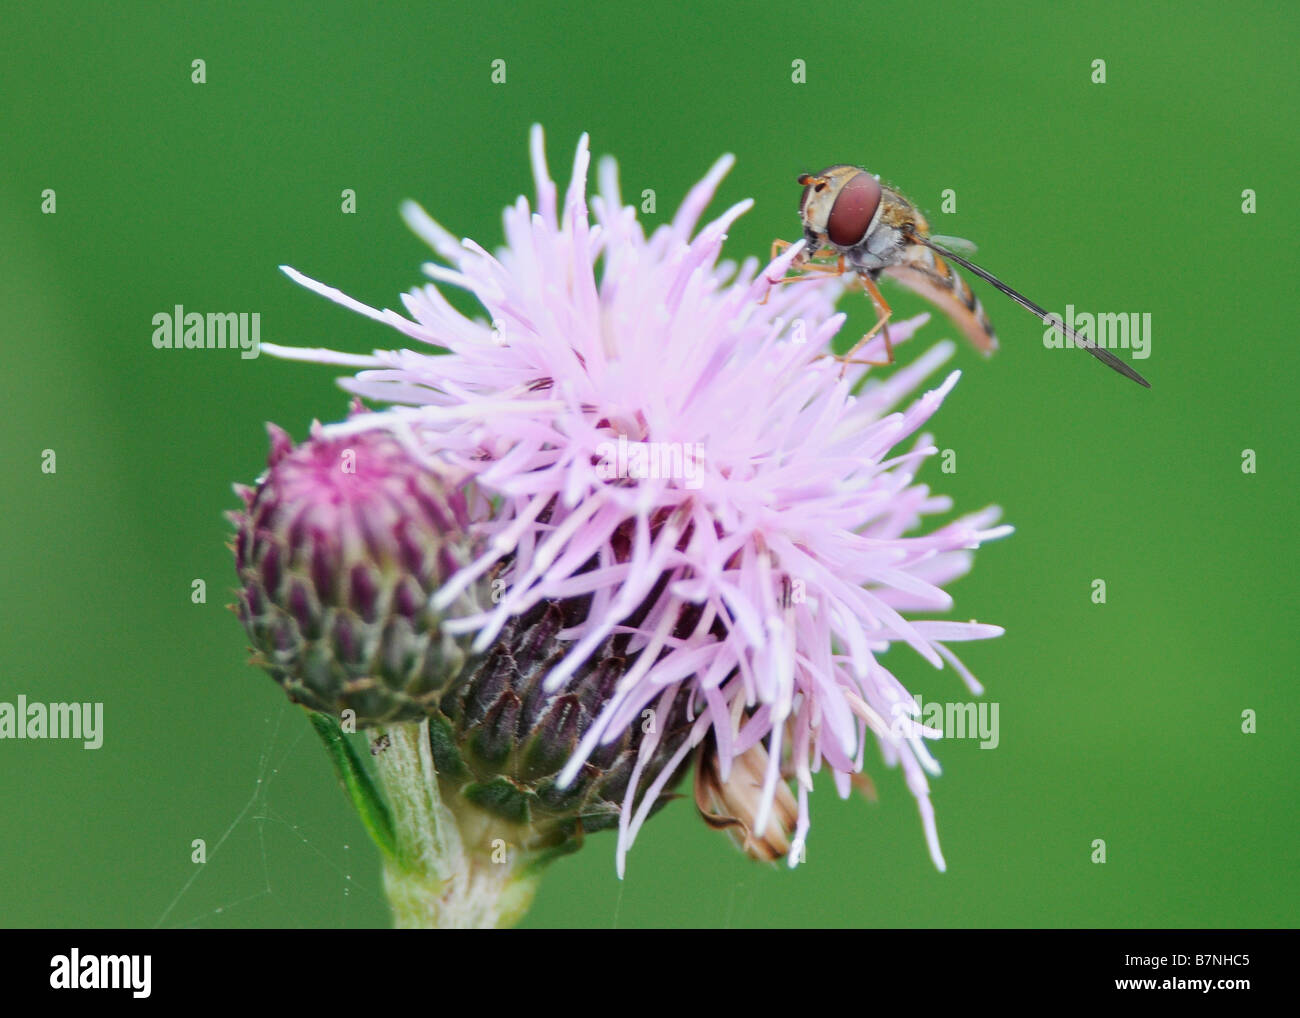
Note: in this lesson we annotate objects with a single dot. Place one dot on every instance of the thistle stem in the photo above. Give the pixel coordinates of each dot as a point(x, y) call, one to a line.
point(432, 880)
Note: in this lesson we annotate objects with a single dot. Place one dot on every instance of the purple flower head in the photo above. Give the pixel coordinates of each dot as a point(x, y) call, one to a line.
point(652, 425)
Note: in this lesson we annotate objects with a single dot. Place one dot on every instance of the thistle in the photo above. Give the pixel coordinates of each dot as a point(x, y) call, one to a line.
point(339, 549)
point(677, 528)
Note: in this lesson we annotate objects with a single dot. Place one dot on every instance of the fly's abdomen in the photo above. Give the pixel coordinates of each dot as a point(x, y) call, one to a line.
point(926, 273)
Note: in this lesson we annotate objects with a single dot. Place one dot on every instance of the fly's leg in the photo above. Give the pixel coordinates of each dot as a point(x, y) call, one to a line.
point(779, 245)
point(883, 313)
point(805, 268)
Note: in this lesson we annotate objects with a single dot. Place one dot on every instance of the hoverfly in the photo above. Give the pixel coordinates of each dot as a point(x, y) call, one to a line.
point(869, 229)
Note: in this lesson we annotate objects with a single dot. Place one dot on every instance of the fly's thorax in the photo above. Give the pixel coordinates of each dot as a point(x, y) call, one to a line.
point(898, 212)
point(882, 247)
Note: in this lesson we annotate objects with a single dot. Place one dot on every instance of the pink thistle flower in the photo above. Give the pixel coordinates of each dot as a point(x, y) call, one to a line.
point(636, 403)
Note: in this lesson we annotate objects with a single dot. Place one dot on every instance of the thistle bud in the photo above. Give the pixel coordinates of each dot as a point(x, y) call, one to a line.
point(500, 740)
point(340, 546)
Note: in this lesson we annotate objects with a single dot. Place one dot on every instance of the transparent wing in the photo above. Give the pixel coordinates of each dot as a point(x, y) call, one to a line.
point(958, 244)
point(1103, 355)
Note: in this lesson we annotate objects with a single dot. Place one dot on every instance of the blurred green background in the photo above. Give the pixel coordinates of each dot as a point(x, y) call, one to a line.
point(1119, 721)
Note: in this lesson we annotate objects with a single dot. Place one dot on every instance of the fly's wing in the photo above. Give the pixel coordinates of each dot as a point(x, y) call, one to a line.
point(928, 275)
point(938, 255)
point(957, 245)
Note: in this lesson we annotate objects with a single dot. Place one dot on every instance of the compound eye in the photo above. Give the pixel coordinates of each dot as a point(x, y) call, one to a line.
point(854, 208)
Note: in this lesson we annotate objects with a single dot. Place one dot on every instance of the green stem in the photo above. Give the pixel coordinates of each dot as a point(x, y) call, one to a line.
point(481, 896)
point(433, 878)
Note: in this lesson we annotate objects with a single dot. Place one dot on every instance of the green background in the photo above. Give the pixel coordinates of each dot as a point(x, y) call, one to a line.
point(1119, 721)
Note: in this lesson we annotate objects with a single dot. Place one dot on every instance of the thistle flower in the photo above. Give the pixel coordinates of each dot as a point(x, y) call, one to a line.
point(661, 437)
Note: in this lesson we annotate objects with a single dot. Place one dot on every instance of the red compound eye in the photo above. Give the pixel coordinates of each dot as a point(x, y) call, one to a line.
point(853, 210)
